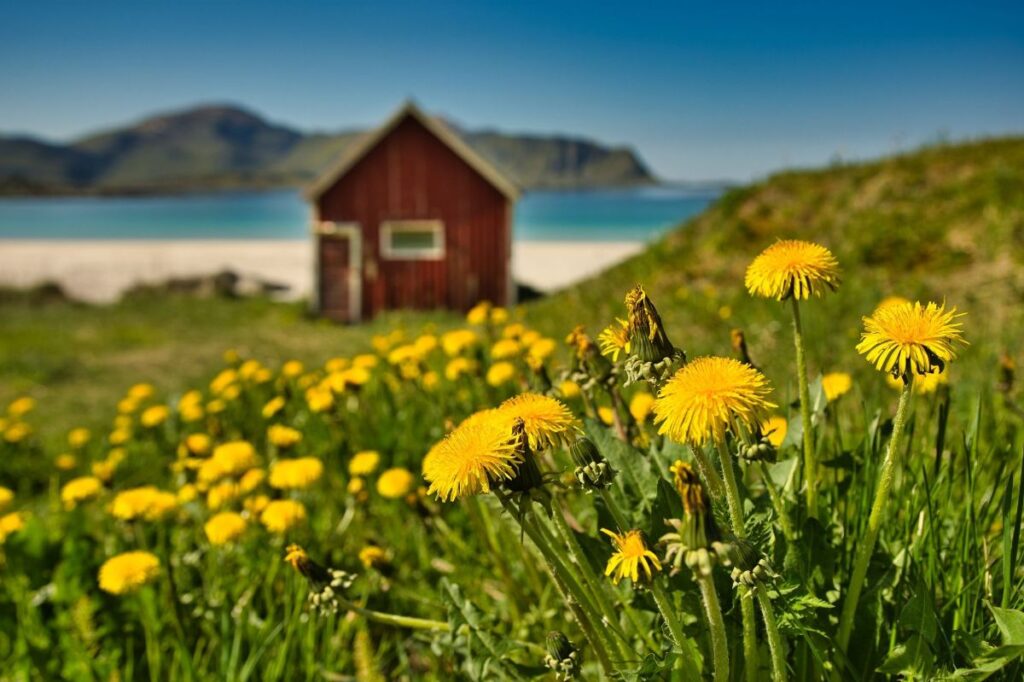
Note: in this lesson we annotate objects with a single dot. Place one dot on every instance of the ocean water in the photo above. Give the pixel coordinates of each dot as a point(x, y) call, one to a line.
point(635, 214)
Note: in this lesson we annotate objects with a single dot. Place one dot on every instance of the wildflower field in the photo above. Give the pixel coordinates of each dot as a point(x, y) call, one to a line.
point(782, 471)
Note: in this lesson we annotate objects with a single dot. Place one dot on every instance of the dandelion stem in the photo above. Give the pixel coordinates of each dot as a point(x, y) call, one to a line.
point(810, 460)
point(711, 478)
point(775, 643)
point(777, 502)
point(716, 626)
point(735, 504)
point(396, 620)
point(866, 547)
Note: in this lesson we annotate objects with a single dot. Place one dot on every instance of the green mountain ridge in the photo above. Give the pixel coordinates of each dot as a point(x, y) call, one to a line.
point(224, 147)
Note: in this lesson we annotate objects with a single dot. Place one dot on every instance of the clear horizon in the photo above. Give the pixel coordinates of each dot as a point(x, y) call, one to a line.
point(700, 93)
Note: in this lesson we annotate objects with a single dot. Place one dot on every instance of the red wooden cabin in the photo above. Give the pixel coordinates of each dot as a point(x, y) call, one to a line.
point(411, 217)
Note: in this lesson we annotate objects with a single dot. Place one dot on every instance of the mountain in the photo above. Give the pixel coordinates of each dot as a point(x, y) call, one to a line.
point(220, 147)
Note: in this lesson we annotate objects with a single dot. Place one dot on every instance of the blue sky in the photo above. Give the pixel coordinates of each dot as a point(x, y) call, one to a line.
point(701, 90)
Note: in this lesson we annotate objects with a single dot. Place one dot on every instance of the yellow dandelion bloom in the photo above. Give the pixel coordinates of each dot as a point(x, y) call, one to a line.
point(146, 502)
point(792, 268)
point(10, 524)
point(140, 392)
point(458, 367)
point(283, 436)
point(707, 396)
point(425, 345)
point(500, 373)
point(187, 493)
point(251, 480)
point(232, 458)
point(335, 365)
point(541, 349)
point(480, 313)
point(836, 384)
point(499, 315)
point(430, 381)
point(79, 490)
point(365, 361)
point(505, 349)
point(614, 339)
point(395, 483)
point(373, 556)
point(78, 438)
point(224, 527)
point(222, 494)
point(198, 443)
point(292, 369)
point(6, 497)
point(154, 416)
point(569, 389)
point(66, 462)
point(364, 463)
point(119, 436)
point(641, 406)
point(273, 406)
point(456, 342)
point(356, 486)
point(223, 380)
point(19, 407)
point(280, 516)
point(546, 420)
point(295, 474)
point(128, 572)
point(606, 415)
point(631, 555)
point(891, 300)
point(17, 432)
point(910, 338)
point(256, 504)
point(319, 398)
point(774, 429)
point(477, 454)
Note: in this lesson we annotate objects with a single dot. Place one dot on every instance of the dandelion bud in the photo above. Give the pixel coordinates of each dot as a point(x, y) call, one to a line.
point(647, 338)
point(325, 584)
point(749, 567)
point(527, 476)
point(693, 541)
point(592, 472)
point(563, 657)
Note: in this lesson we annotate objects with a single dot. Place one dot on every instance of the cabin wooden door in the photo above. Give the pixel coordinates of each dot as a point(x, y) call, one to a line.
point(340, 275)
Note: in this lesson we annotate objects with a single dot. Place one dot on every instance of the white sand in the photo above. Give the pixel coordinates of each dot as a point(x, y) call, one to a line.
point(99, 271)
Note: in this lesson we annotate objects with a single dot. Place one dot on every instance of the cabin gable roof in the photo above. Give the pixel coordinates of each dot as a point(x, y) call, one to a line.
point(366, 143)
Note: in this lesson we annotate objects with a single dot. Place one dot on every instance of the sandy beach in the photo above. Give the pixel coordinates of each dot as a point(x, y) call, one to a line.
point(100, 270)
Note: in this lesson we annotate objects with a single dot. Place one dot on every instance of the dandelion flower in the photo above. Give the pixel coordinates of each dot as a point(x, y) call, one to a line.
point(614, 339)
point(792, 268)
point(835, 385)
point(128, 572)
point(505, 349)
point(21, 406)
point(774, 429)
point(292, 369)
point(606, 415)
point(198, 443)
point(146, 502)
point(224, 527)
point(500, 373)
point(154, 416)
point(79, 490)
point(458, 341)
point(541, 349)
point(221, 494)
point(283, 436)
point(65, 462)
point(251, 480)
point(631, 555)
point(373, 556)
point(17, 432)
point(458, 367)
point(280, 516)
point(77, 438)
point(295, 474)
point(364, 463)
point(395, 483)
point(365, 361)
point(479, 313)
point(319, 399)
point(6, 497)
point(890, 300)
point(546, 420)
point(273, 406)
point(707, 396)
point(910, 338)
point(569, 389)
point(234, 457)
point(641, 406)
point(477, 454)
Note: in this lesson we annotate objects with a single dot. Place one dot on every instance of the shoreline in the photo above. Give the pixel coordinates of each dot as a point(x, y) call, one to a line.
point(99, 271)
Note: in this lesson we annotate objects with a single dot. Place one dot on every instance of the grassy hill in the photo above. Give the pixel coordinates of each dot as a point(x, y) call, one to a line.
point(218, 146)
point(942, 223)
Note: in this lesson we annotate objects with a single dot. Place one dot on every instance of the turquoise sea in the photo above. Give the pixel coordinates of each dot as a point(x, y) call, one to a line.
point(635, 214)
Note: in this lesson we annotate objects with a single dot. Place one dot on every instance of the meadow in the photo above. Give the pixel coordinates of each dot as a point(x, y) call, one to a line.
point(228, 490)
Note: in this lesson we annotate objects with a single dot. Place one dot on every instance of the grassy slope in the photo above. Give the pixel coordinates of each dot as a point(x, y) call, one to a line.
point(946, 222)
point(942, 223)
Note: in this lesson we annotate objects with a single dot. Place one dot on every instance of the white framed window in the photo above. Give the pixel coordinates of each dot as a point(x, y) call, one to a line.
point(412, 239)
